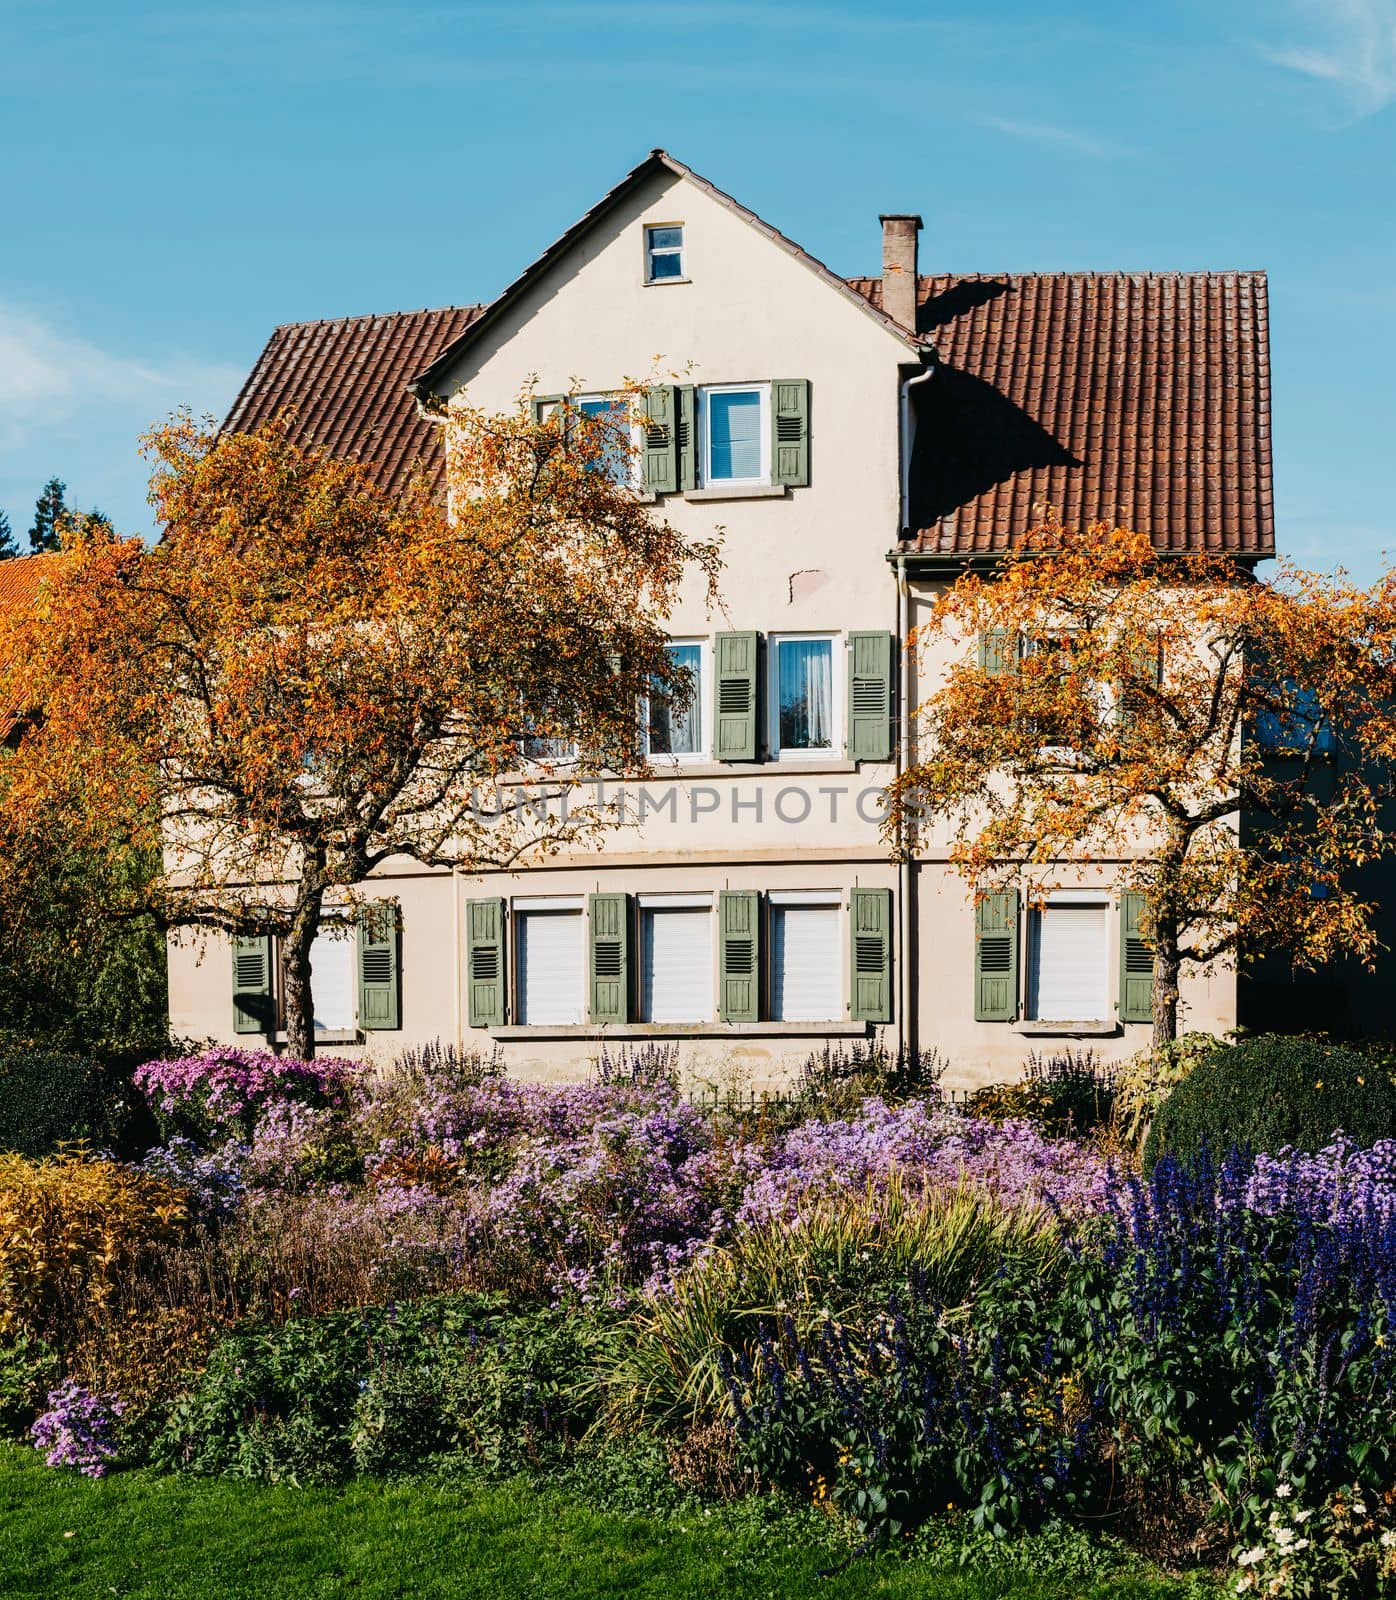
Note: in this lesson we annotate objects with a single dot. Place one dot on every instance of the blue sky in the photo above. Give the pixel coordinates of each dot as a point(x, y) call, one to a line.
point(179, 178)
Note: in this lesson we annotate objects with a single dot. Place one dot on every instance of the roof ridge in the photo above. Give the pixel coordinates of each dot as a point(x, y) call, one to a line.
point(381, 316)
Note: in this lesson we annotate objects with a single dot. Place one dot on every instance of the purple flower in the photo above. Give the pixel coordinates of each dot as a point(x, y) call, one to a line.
point(77, 1429)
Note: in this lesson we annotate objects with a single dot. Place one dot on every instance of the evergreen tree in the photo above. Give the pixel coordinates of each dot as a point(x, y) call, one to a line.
point(49, 511)
point(8, 547)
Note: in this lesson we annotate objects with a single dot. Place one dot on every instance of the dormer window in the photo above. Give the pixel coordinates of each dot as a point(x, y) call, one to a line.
point(664, 253)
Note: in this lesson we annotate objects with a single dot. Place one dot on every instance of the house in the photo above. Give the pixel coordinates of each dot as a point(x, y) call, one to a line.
point(861, 440)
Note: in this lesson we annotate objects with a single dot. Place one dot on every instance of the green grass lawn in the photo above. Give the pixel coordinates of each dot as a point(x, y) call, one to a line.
point(180, 1538)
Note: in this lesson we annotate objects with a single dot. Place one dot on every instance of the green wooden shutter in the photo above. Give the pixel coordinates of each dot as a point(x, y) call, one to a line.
point(659, 457)
point(996, 957)
point(485, 975)
point(380, 966)
point(687, 436)
point(253, 1008)
point(999, 649)
point(739, 955)
point(790, 431)
point(1136, 961)
point(735, 722)
point(869, 696)
point(608, 938)
point(543, 405)
point(870, 955)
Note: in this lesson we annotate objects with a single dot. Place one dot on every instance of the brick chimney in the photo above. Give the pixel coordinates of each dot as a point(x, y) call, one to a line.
point(899, 231)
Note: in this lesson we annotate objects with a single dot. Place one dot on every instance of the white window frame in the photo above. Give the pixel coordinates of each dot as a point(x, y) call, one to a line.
point(519, 909)
point(677, 902)
point(705, 712)
point(632, 477)
point(836, 693)
point(705, 394)
point(1096, 899)
point(651, 251)
point(820, 900)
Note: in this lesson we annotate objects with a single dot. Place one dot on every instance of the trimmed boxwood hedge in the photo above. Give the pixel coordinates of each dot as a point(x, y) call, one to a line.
point(49, 1097)
point(1267, 1093)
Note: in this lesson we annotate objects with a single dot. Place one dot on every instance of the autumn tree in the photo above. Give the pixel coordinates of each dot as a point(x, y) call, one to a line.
point(307, 678)
point(1231, 741)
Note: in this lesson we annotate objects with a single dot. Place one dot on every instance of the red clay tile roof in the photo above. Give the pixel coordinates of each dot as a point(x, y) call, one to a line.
point(20, 578)
point(347, 381)
point(1138, 398)
point(1132, 397)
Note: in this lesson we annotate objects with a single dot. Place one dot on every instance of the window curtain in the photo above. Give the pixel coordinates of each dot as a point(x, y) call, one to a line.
point(806, 694)
point(675, 729)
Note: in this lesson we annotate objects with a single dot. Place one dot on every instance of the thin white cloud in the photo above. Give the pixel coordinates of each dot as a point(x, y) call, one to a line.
point(1353, 47)
point(1068, 140)
point(72, 408)
point(50, 379)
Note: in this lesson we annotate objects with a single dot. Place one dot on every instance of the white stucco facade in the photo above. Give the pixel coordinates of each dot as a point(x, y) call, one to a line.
point(802, 830)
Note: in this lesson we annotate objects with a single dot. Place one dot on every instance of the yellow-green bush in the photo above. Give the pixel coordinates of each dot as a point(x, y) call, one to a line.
point(71, 1227)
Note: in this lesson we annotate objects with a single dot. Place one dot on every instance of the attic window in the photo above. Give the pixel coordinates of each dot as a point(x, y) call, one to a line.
point(664, 253)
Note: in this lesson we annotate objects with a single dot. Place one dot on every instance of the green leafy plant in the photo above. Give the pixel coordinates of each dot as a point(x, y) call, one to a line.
point(50, 1097)
point(1275, 1092)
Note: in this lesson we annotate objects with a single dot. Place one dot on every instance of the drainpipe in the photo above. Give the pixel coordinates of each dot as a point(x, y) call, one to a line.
point(907, 1031)
point(457, 977)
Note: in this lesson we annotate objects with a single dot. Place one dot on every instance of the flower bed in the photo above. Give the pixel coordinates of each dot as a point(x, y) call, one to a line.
point(888, 1310)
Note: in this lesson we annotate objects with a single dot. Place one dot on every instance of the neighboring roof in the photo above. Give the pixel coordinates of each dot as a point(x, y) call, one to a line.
point(656, 161)
point(347, 382)
point(1133, 398)
point(20, 580)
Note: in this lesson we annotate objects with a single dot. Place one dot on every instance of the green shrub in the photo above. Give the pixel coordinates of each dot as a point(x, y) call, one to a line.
point(28, 1369)
point(1271, 1092)
point(390, 1390)
point(48, 1098)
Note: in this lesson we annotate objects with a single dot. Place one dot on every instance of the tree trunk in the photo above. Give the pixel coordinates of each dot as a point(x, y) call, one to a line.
point(1166, 964)
point(295, 975)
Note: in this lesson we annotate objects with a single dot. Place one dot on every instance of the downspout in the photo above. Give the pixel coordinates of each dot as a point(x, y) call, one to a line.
point(457, 977)
point(907, 1030)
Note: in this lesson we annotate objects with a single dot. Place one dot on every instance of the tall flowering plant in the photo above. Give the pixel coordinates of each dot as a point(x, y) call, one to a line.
point(1239, 1319)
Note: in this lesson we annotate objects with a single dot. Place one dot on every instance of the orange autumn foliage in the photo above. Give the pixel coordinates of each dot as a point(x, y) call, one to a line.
point(306, 677)
point(1232, 740)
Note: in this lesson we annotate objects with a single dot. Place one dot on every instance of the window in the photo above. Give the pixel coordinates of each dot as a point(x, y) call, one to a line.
point(1069, 961)
point(1296, 728)
point(664, 252)
point(548, 748)
point(332, 978)
point(676, 960)
point(806, 957)
point(674, 726)
point(617, 456)
point(736, 433)
point(551, 960)
point(803, 695)
point(1068, 727)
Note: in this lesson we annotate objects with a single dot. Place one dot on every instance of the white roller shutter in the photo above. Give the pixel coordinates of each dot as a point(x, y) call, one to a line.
point(806, 964)
point(677, 970)
point(552, 966)
point(333, 982)
point(1069, 970)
